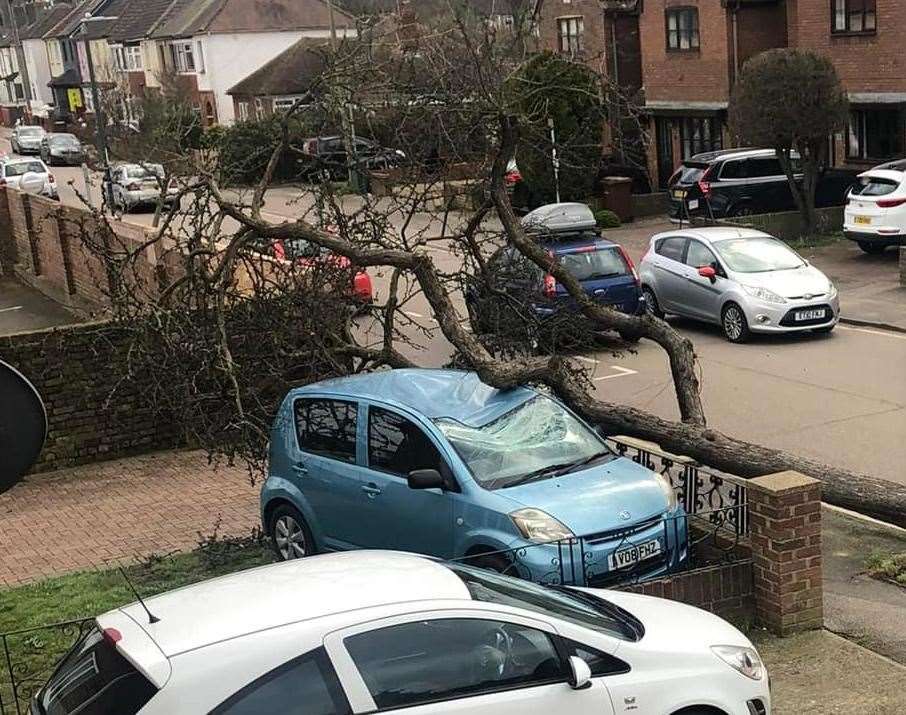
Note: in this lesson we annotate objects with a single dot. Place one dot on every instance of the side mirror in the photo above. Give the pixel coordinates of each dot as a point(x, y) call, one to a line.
point(426, 479)
point(707, 272)
point(579, 673)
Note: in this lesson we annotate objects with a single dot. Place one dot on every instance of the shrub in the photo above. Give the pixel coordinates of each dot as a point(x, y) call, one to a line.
point(607, 219)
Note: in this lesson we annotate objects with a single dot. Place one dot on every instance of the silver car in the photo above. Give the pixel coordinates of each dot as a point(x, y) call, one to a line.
point(140, 185)
point(26, 139)
point(743, 280)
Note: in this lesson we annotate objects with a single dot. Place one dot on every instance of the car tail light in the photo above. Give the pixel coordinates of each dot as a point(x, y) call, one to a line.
point(279, 250)
point(704, 185)
point(890, 203)
point(550, 286)
point(2, 182)
point(133, 187)
point(51, 179)
point(310, 147)
point(635, 273)
point(172, 184)
point(112, 636)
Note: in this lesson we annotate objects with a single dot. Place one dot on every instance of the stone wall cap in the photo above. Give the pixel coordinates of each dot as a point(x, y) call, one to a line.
point(782, 482)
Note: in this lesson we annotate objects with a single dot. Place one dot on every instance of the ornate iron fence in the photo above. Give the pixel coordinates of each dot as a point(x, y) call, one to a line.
point(29, 658)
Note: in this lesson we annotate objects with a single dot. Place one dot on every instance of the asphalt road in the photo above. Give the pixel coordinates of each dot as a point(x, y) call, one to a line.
point(838, 398)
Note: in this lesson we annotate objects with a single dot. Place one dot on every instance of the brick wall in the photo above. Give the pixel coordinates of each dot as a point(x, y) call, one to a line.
point(760, 28)
point(595, 36)
point(91, 413)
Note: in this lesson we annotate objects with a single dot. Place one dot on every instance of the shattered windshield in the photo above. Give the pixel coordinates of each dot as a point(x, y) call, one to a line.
point(537, 440)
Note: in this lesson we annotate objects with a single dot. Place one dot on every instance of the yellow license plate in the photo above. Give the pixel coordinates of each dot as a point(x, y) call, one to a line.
point(862, 219)
point(679, 194)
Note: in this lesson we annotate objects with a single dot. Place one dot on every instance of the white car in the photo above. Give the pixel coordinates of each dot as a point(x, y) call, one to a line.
point(875, 213)
point(369, 631)
point(743, 280)
point(30, 175)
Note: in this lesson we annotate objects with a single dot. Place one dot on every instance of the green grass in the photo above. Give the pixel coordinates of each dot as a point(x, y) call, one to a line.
point(889, 567)
point(817, 240)
point(89, 593)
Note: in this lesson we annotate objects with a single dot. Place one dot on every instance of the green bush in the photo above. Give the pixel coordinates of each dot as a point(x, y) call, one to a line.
point(607, 219)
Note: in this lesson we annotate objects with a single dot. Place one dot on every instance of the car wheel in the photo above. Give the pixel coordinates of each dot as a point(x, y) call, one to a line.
point(872, 249)
point(290, 535)
point(652, 307)
point(736, 327)
point(499, 563)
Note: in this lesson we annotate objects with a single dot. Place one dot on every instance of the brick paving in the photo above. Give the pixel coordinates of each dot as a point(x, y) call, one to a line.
point(119, 511)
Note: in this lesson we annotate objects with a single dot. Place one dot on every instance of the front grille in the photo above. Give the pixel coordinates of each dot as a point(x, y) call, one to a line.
point(624, 533)
point(756, 707)
point(789, 320)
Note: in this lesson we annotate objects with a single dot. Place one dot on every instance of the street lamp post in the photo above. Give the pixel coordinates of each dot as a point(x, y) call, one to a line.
point(100, 121)
point(555, 160)
point(20, 58)
point(347, 121)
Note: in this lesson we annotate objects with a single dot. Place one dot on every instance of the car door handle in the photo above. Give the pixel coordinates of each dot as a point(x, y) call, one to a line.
point(372, 490)
point(300, 469)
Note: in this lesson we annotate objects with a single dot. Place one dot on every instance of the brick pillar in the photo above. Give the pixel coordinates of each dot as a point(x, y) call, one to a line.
point(8, 255)
point(785, 519)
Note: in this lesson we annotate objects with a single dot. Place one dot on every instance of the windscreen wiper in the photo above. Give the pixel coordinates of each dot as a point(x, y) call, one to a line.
point(538, 474)
point(574, 466)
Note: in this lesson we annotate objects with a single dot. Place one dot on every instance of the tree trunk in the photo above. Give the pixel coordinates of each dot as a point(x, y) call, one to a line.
point(802, 193)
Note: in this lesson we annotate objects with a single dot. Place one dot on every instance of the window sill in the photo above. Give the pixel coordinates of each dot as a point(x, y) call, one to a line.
point(677, 51)
point(862, 33)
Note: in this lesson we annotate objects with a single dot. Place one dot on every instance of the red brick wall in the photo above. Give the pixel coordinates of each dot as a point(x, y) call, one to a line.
point(595, 36)
point(865, 63)
point(701, 76)
point(760, 28)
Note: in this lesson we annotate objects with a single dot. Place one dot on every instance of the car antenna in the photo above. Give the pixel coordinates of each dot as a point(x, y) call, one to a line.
point(151, 617)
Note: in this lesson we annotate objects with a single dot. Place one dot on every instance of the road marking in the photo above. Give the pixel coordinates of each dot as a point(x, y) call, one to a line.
point(413, 315)
point(590, 361)
point(893, 335)
point(620, 372)
point(9, 310)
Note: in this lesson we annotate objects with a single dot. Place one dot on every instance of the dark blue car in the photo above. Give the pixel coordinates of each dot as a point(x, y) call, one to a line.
point(519, 296)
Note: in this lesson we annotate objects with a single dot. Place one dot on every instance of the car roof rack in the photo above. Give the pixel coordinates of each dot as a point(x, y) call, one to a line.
point(557, 219)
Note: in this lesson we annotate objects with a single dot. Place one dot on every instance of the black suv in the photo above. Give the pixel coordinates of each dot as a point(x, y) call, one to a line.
point(328, 155)
point(743, 182)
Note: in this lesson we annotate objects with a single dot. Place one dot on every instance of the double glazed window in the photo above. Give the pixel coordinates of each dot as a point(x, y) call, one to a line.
point(682, 28)
point(875, 134)
point(571, 31)
point(699, 134)
point(128, 58)
point(398, 446)
point(327, 428)
point(854, 16)
point(433, 661)
point(672, 248)
point(182, 57)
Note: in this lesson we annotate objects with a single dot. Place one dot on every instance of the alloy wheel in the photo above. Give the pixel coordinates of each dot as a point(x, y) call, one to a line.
point(734, 323)
point(289, 538)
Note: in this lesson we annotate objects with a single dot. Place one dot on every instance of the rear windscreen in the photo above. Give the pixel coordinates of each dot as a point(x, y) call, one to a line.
point(689, 173)
point(22, 169)
point(592, 265)
point(874, 186)
point(94, 679)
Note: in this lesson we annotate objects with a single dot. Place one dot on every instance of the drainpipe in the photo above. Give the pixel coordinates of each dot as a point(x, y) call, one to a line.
point(734, 15)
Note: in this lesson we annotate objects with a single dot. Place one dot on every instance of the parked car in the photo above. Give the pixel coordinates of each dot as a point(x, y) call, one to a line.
point(26, 139)
point(436, 462)
point(309, 255)
point(397, 633)
point(135, 186)
point(875, 214)
point(30, 175)
point(743, 182)
point(62, 149)
point(743, 280)
point(327, 155)
point(521, 294)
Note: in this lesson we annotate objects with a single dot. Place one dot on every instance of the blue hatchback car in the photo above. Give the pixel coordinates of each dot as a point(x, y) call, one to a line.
point(437, 462)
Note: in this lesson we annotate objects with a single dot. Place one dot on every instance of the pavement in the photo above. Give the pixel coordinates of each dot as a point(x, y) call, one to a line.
point(23, 308)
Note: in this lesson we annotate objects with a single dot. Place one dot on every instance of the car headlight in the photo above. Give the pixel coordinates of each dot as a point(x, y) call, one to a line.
point(764, 294)
point(536, 525)
point(744, 660)
point(831, 291)
point(669, 492)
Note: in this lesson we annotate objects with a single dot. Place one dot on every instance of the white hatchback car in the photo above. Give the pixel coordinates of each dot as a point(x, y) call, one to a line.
point(875, 213)
point(372, 631)
point(29, 175)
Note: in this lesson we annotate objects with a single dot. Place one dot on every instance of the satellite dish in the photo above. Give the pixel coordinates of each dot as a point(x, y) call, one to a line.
point(23, 426)
point(32, 183)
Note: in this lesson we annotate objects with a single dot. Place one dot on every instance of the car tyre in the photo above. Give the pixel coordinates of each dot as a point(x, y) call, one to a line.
point(734, 323)
point(652, 307)
point(290, 536)
point(872, 249)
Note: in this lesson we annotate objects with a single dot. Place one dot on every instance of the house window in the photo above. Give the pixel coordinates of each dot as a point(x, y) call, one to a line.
point(571, 31)
point(68, 51)
point(875, 134)
point(183, 57)
point(199, 57)
point(243, 111)
point(682, 29)
point(699, 134)
point(853, 16)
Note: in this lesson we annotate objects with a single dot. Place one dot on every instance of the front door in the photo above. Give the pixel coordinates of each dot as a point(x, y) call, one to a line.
point(393, 515)
point(701, 297)
point(666, 161)
point(669, 273)
point(325, 467)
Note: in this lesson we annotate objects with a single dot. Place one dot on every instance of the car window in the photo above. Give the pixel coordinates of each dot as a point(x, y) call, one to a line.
point(432, 661)
point(672, 248)
point(763, 168)
point(735, 169)
point(874, 186)
point(757, 255)
point(600, 663)
point(22, 168)
point(94, 679)
point(583, 609)
point(304, 686)
point(689, 173)
point(30, 131)
point(327, 427)
point(595, 264)
point(397, 445)
point(699, 255)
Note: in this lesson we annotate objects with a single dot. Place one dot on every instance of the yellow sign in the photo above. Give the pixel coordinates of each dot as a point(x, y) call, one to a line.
point(75, 99)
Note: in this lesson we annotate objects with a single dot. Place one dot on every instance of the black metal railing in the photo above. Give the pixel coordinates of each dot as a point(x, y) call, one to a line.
point(29, 658)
